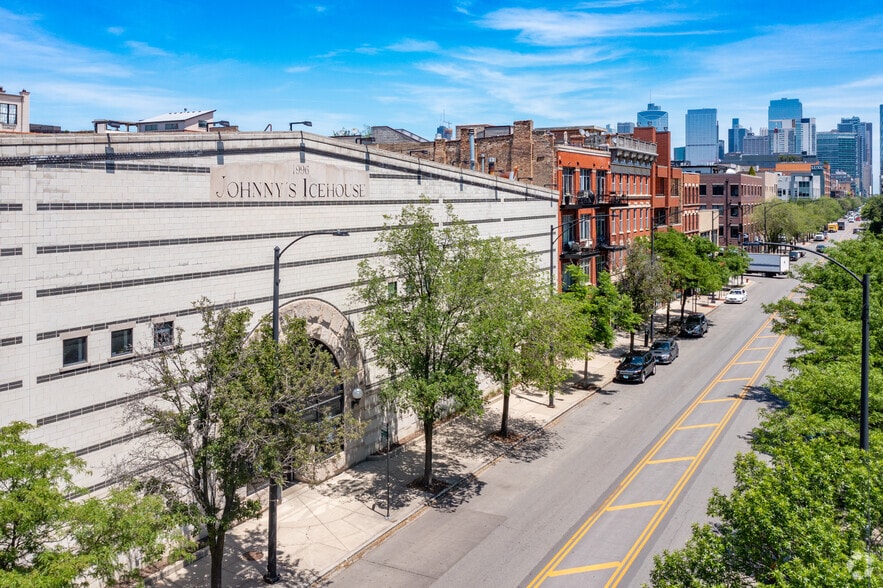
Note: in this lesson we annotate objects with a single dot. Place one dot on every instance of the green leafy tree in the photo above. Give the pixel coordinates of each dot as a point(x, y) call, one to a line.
point(49, 539)
point(823, 211)
point(503, 329)
point(780, 220)
point(226, 411)
point(558, 337)
point(598, 312)
point(645, 281)
point(797, 521)
point(424, 297)
point(809, 513)
point(872, 212)
point(731, 261)
point(691, 264)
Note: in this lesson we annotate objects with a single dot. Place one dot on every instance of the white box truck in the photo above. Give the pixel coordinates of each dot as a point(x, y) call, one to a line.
point(769, 264)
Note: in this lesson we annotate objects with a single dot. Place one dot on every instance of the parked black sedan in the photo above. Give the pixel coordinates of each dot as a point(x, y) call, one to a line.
point(636, 366)
point(665, 350)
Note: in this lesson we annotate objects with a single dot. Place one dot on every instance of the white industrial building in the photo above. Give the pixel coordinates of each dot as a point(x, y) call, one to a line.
point(107, 239)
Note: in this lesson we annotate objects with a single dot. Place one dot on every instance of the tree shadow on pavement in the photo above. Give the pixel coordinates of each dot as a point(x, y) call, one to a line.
point(459, 493)
point(479, 439)
point(366, 482)
point(763, 395)
point(538, 443)
point(245, 563)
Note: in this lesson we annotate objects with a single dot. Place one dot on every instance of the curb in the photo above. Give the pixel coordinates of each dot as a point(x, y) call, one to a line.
point(427, 504)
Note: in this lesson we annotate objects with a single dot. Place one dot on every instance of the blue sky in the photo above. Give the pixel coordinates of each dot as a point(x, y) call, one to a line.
point(347, 64)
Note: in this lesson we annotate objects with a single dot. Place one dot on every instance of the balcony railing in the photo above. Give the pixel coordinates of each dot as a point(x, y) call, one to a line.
point(574, 249)
point(585, 198)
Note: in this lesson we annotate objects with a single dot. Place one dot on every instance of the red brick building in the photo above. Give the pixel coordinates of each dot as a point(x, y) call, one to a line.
point(612, 188)
point(734, 196)
point(606, 187)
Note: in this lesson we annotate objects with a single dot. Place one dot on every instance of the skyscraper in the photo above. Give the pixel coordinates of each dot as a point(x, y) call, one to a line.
point(785, 109)
point(805, 136)
point(702, 136)
point(736, 137)
point(841, 151)
point(653, 117)
point(625, 128)
point(756, 144)
point(783, 116)
point(864, 135)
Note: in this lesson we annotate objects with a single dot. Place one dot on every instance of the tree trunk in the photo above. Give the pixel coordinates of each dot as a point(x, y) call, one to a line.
point(632, 341)
point(504, 425)
point(428, 425)
point(586, 368)
point(667, 316)
point(216, 549)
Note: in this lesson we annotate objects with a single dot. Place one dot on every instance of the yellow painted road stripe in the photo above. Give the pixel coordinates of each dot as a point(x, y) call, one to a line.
point(671, 459)
point(669, 501)
point(634, 505)
point(549, 569)
point(593, 568)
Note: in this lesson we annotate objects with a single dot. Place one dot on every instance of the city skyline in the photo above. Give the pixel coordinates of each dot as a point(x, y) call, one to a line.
point(344, 65)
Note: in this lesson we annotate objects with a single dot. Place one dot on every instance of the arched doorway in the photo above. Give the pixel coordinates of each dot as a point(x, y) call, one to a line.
point(325, 404)
point(332, 332)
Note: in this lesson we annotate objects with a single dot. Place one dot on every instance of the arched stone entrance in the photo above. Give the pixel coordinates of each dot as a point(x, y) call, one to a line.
point(327, 325)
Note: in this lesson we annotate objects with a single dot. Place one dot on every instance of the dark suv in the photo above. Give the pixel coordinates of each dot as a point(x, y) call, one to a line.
point(664, 350)
point(695, 325)
point(636, 366)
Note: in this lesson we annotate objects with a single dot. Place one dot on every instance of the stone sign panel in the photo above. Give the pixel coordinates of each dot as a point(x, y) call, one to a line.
point(287, 181)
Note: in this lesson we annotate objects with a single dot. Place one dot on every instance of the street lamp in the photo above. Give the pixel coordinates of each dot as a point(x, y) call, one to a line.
point(865, 281)
point(552, 239)
point(272, 576)
point(652, 263)
point(305, 123)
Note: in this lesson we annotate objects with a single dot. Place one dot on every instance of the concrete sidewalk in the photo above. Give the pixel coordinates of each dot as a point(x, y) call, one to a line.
point(323, 527)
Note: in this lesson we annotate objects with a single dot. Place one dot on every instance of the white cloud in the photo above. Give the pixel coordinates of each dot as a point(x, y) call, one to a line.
point(143, 49)
point(414, 46)
point(515, 59)
point(298, 69)
point(555, 28)
point(607, 4)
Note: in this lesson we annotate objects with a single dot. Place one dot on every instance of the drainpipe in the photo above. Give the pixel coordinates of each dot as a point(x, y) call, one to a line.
point(472, 149)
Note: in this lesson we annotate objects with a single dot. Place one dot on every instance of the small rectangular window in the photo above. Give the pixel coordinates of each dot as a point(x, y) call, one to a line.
point(163, 334)
point(392, 289)
point(74, 350)
point(171, 126)
point(8, 114)
point(121, 342)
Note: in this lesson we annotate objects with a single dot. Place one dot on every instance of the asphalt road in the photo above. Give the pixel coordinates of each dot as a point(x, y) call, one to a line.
point(615, 481)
